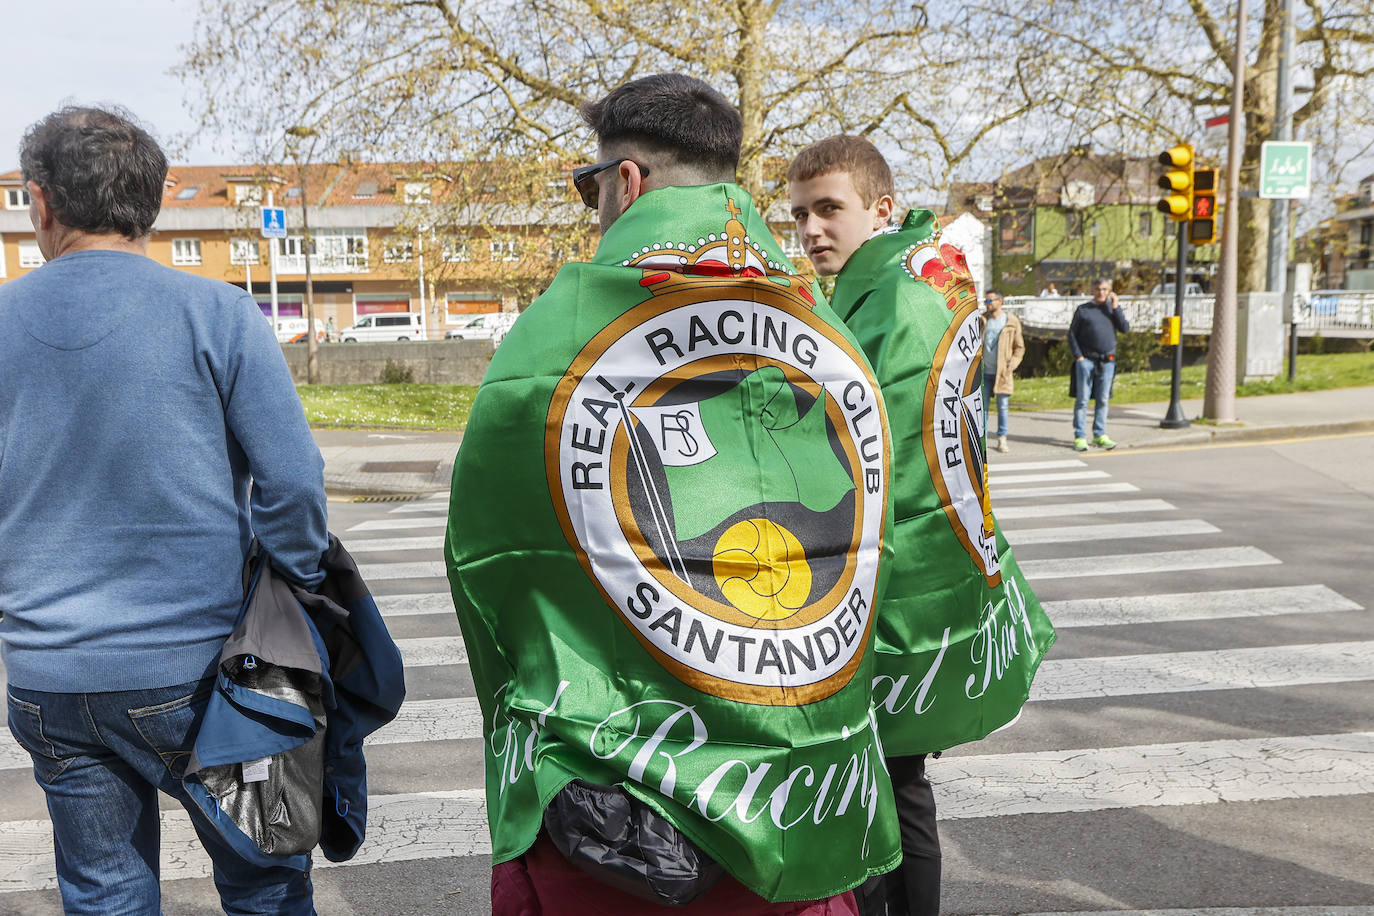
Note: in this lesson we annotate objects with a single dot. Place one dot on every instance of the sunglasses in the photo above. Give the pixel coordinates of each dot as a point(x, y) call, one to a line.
point(584, 179)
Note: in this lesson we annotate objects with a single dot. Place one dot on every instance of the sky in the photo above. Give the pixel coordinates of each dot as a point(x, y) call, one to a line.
point(98, 51)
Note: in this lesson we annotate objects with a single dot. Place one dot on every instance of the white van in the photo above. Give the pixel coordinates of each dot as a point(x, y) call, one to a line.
point(388, 326)
point(292, 330)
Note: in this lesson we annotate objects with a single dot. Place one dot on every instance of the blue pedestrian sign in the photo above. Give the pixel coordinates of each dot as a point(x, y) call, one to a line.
point(274, 222)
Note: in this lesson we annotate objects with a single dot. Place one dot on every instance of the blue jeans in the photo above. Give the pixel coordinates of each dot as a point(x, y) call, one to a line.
point(100, 759)
point(1003, 402)
point(1093, 378)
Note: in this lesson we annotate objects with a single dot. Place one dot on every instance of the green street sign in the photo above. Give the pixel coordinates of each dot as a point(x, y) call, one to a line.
point(1285, 169)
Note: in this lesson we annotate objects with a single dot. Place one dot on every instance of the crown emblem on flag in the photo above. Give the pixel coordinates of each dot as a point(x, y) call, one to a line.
point(717, 259)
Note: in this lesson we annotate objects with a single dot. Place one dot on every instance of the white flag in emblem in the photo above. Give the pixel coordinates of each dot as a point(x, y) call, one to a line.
point(677, 432)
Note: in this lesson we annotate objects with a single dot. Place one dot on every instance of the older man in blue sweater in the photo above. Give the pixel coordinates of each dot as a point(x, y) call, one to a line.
point(148, 431)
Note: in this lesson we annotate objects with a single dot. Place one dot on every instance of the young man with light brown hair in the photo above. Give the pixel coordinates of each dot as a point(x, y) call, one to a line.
point(909, 299)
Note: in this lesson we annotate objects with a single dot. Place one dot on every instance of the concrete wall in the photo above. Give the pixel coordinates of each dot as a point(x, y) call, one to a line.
point(437, 362)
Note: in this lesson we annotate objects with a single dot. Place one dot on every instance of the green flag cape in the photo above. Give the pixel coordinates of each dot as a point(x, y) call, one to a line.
point(960, 633)
point(665, 544)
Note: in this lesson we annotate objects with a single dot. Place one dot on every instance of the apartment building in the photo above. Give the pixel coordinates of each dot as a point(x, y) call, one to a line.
point(385, 238)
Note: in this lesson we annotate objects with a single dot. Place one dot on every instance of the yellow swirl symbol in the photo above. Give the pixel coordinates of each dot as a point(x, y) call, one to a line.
point(761, 569)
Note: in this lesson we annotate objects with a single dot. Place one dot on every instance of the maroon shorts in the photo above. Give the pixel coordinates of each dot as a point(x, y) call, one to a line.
point(543, 883)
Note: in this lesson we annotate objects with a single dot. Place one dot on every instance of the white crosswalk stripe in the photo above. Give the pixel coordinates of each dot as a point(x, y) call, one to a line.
point(1085, 489)
point(1133, 564)
point(375, 545)
point(1004, 479)
point(1189, 773)
point(452, 823)
point(1058, 510)
point(417, 523)
point(411, 605)
point(1017, 466)
point(1219, 669)
point(1069, 534)
point(1214, 605)
point(381, 572)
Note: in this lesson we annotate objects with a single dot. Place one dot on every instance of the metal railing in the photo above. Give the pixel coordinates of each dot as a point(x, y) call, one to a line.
point(1331, 312)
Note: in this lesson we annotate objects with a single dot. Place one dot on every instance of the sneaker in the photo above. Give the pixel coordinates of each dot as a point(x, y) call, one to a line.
point(1080, 445)
point(1002, 445)
point(1104, 441)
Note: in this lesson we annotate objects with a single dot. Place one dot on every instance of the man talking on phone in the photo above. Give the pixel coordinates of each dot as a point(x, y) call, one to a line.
point(1092, 338)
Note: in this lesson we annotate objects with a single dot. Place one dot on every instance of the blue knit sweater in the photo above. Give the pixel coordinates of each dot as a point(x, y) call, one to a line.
point(143, 412)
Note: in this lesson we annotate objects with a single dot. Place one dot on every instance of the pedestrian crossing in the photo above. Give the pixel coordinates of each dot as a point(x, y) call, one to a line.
point(1094, 575)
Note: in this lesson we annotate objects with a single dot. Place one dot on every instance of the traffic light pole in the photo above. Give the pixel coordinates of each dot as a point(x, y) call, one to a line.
point(1175, 419)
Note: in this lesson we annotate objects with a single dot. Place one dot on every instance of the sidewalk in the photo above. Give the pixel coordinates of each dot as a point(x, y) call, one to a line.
point(400, 462)
point(1049, 433)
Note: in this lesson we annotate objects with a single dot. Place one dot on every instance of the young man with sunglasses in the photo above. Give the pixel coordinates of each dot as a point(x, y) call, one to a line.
point(679, 460)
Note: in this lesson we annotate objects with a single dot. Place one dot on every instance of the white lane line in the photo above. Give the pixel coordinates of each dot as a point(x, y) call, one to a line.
point(401, 524)
point(1227, 911)
point(999, 467)
point(1128, 564)
point(1106, 507)
point(1153, 775)
point(1002, 479)
point(411, 605)
point(1070, 679)
point(372, 545)
point(1070, 534)
point(437, 825)
point(375, 572)
point(1085, 489)
point(433, 650)
point(1218, 669)
point(425, 825)
point(1213, 605)
point(432, 720)
point(418, 721)
point(427, 506)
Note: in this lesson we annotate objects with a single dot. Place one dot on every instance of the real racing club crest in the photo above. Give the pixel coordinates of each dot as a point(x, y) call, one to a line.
point(953, 435)
point(718, 459)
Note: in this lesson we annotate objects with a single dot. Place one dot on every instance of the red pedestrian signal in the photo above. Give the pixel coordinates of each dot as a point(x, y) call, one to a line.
point(1202, 226)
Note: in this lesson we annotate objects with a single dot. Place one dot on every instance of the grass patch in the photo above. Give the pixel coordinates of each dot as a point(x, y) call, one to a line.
point(432, 407)
point(446, 407)
point(1315, 373)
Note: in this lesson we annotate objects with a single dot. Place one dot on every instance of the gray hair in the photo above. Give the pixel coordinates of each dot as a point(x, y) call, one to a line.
point(100, 172)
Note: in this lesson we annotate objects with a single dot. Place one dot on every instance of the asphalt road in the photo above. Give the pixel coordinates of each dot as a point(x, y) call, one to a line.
point(1202, 735)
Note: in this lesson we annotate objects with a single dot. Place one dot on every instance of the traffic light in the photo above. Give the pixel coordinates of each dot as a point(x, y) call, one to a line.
point(1178, 181)
point(1202, 227)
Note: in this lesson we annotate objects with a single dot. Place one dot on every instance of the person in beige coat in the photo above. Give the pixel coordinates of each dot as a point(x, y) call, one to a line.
point(1003, 348)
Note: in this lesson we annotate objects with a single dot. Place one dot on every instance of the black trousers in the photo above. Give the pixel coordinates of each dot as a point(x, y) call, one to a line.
point(912, 888)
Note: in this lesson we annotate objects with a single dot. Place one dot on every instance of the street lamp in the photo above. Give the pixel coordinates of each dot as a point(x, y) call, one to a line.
point(1092, 232)
point(295, 135)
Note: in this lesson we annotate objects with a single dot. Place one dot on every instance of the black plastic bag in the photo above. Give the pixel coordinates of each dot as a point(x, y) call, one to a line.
point(622, 842)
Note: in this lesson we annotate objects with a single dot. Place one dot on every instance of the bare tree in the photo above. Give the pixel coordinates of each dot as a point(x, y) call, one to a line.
point(467, 81)
point(1140, 76)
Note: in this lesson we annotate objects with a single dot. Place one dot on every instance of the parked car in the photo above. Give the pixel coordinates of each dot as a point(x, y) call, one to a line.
point(393, 326)
point(491, 326)
point(1167, 289)
point(292, 330)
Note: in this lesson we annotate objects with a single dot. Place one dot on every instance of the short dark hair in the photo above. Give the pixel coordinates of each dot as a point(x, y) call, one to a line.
point(994, 292)
point(100, 171)
point(855, 156)
point(674, 115)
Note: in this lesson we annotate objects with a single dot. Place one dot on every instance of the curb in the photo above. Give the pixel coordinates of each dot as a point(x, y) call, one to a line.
point(1242, 433)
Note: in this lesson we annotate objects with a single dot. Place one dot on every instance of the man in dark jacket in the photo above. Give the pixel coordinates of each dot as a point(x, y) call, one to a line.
point(1092, 338)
